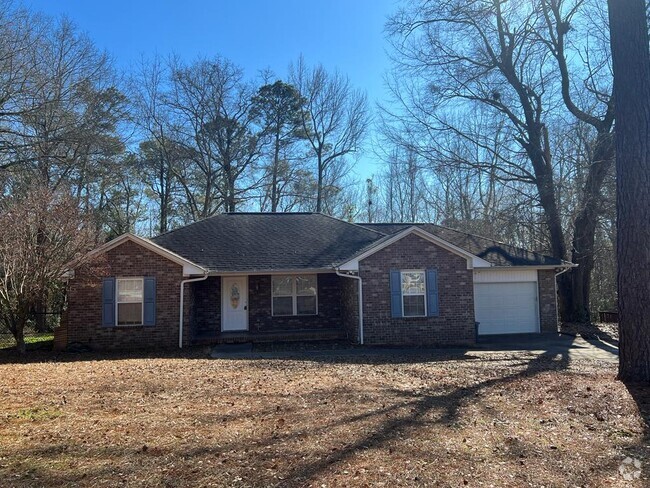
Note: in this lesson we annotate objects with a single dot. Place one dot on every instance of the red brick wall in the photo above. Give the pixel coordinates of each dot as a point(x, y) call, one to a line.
point(547, 300)
point(350, 307)
point(259, 300)
point(204, 323)
point(455, 323)
point(83, 318)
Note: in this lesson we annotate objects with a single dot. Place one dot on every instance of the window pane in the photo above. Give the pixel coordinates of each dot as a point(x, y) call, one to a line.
point(306, 305)
point(282, 285)
point(129, 313)
point(413, 305)
point(129, 291)
point(282, 306)
point(413, 283)
point(306, 285)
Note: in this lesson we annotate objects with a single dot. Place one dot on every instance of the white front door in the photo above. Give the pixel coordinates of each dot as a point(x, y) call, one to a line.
point(234, 303)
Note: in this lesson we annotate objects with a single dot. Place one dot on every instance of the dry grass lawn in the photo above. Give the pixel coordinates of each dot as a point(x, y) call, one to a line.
point(494, 420)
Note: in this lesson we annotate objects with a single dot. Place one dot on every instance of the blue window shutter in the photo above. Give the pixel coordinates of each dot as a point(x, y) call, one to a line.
point(395, 293)
point(432, 293)
point(108, 302)
point(149, 301)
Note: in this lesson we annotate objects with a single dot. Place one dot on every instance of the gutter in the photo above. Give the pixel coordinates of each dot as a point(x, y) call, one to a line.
point(180, 322)
point(360, 281)
point(528, 266)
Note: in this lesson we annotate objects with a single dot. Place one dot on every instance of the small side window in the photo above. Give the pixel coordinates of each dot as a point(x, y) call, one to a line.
point(414, 294)
point(130, 294)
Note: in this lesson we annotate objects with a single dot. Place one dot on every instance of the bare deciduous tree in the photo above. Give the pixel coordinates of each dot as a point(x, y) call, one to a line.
point(20, 36)
point(592, 105)
point(211, 103)
point(334, 118)
point(515, 62)
point(160, 156)
point(43, 232)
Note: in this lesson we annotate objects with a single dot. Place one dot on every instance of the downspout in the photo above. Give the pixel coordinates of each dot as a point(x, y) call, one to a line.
point(360, 289)
point(180, 323)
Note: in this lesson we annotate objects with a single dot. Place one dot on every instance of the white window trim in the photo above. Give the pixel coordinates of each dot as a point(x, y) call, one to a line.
point(424, 294)
point(294, 296)
point(117, 301)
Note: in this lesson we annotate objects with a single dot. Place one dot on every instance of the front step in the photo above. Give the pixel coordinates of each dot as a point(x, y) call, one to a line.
point(232, 348)
point(281, 336)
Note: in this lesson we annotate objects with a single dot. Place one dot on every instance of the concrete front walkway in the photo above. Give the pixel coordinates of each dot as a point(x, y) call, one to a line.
point(574, 348)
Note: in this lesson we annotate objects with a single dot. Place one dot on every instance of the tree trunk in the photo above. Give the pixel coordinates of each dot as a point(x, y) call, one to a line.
point(631, 66)
point(274, 177)
point(40, 312)
point(20, 344)
point(576, 284)
point(17, 329)
point(319, 190)
point(540, 160)
point(230, 193)
point(164, 198)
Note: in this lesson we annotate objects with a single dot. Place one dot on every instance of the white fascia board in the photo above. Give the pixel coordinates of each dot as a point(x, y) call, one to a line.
point(292, 271)
point(352, 265)
point(472, 260)
point(536, 266)
point(189, 268)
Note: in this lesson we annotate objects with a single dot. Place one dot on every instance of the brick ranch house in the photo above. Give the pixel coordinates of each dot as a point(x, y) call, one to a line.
point(255, 277)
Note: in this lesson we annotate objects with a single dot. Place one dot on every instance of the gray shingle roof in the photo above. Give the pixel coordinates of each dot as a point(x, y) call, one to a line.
point(494, 252)
point(260, 242)
point(255, 242)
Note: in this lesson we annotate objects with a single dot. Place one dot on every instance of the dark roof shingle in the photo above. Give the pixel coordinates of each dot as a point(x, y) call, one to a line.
point(271, 241)
point(256, 242)
point(494, 252)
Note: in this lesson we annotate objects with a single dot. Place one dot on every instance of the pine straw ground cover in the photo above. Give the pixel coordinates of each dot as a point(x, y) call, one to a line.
point(491, 420)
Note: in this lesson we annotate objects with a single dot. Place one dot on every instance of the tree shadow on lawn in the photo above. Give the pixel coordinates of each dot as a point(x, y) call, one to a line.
point(409, 410)
point(387, 355)
point(404, 410)
point(12, 356)
point(419, 405)
point(640, 393)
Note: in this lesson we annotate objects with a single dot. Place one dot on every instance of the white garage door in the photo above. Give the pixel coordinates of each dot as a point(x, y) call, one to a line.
point(506, 308)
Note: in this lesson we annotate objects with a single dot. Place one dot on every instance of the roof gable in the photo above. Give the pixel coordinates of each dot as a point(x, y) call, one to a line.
point(472, 260)
point(189, 268)
point(494, 252)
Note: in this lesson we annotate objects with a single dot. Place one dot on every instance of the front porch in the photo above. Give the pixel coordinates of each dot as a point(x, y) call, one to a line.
point(244, 312)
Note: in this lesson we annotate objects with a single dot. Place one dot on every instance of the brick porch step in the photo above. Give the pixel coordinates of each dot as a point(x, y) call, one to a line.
point(279, 336)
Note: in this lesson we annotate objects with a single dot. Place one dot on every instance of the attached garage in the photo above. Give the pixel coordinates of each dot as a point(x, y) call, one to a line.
point(506, 302)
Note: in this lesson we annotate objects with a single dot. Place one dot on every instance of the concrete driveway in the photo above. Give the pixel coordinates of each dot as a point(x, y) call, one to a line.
point(549, 344)
point(553, 344)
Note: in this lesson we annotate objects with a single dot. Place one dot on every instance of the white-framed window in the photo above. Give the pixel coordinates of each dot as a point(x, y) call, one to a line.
point(129, 301)
point(294, 295)
point(414, 292)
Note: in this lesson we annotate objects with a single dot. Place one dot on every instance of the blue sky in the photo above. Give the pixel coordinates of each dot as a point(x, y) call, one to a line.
point(347, 35)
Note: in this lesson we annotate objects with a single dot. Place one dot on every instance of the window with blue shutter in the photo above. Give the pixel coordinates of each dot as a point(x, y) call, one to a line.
point(395, 293)
point(432, 293)
point(108, 302)
point(149, 313)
